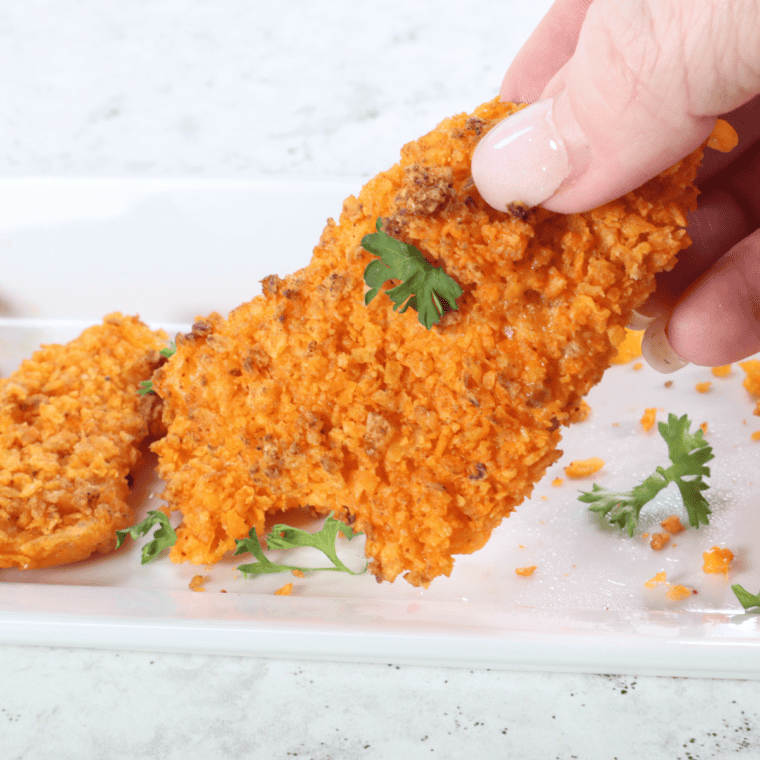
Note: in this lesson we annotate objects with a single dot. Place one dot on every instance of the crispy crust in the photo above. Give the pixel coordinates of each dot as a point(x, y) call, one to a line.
point(71, 427)
point(423, 440)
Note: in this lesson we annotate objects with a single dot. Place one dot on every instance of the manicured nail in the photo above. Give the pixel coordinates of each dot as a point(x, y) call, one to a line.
point(522, 160)
point(639, 321)
point(657, 350)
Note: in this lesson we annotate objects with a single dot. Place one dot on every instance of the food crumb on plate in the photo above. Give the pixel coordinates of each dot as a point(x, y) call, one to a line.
point(659, 541)
point(723, 371)
point(703, 387)
point(676, 592)
point(756, 435)
point(285, 590)
point(638, 366)
point(557, 482)
point(582, 468)
point(648, 419)
point(703, 428)
point(672, 524)
point(298, 573)
point(717, 560)
point(197, 583)
point(526, 572)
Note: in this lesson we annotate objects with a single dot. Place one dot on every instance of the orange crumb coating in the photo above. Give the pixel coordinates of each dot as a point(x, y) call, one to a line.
point(717, 560)
point(198, 583)
point(526, 572)
point(659, 541)
point(672, 524)
point(582, 468)
point(678, 592)
point(286, 590)
point(71, 427)
point(423, 440)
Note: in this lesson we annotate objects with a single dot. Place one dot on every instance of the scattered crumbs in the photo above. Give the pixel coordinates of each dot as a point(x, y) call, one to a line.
point(647, 421)
point(222, 590)
point(668, 383)
point(285, 590)
point(717, 560)
point(659, 541)
point(756, 435)
point(615, 424)
point(752, 380)
point(197, 583)
point(638, 366)
point(582, 468)
point(723, 371)
point(526, 572)
point(677, 593)
point(520, 546)
point(659, 578)
point(544, 498)
point(630, 347)
point(645, 535)
point(557, 482)
point(703, 387)
point(298, 573)
point(672, 524)
point(703, 428)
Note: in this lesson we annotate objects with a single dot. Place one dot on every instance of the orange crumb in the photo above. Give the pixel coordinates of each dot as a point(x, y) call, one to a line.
point(677, 593)
point(723, 371)
point(298, 573)
point(723, 137)
point(583, 412)
point(659, 578)
point(630, 347)
point(645, 535)
point(285, 590)
point(525, 571)
point(557, 482)
point(647, 421)
point(638, 366)
point(544, 498)
point(756, 435)
point(703, 387)
point(717, 560)
point(659, 541)
point(703, 428)
point(520, 546)
point(581, 468)
point(672, 524)
point(752, 380)
point(197, 583)
point(669, 384)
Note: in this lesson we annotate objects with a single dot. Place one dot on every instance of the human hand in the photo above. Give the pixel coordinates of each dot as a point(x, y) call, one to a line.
point(621, 91)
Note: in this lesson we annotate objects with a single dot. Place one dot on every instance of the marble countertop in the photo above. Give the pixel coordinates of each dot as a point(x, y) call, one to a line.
point(244, 88)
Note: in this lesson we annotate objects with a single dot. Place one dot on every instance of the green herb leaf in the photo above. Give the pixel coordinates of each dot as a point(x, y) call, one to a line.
point(689, 453)
point(163, 538)
point(287, 537)
point(746, 599)
point(422, 287)
point(146, 386)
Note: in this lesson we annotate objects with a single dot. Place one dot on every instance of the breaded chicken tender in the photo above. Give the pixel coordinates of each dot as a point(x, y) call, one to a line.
point(71, 427)
point(424, 440)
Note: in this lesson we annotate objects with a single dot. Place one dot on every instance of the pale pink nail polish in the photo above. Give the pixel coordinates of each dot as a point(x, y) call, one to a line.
point(657, 350)
point(522, 160)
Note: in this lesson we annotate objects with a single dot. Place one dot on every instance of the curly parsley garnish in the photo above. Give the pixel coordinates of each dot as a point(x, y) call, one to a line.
point(689, 453)
point(423, 287)
point(163, 538)
point(146, 386)
point(287, 537)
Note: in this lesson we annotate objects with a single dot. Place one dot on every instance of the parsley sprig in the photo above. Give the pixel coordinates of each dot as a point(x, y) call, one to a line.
point(423, 287)
point(747, 600)
point(287, 537)
point(163, 538)
point(146, 386)
point(689, 452)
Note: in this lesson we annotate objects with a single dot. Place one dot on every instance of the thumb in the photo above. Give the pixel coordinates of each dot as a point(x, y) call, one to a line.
point(642, 90)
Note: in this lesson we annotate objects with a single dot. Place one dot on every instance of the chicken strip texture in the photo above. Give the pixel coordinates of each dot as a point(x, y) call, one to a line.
point(424, 440)
point(71, 426)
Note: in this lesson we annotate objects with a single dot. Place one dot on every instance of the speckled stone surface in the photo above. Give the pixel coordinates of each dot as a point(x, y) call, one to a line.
point(248, 88)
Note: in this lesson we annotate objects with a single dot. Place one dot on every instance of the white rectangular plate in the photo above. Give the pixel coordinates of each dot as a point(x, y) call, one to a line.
point(170, 250)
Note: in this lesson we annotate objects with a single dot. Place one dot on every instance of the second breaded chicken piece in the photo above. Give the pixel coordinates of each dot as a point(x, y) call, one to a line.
point(71, 426)
point(424, 440)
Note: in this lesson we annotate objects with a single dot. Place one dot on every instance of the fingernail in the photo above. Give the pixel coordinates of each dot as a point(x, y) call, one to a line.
point(639, 321)
point(657, 350)
point(521, 160)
